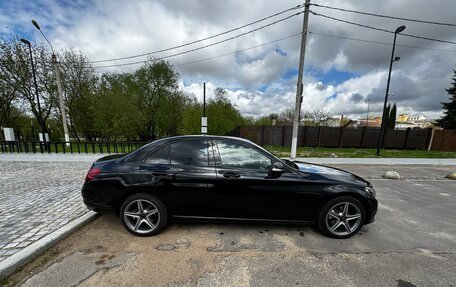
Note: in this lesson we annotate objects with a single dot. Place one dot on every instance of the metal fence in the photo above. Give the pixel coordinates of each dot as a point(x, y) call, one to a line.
point(74, 147)
point(310, 136)
point(319, 136)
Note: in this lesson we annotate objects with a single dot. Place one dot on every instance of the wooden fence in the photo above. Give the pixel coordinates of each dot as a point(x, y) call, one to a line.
point(444, 140)
point(315, 136)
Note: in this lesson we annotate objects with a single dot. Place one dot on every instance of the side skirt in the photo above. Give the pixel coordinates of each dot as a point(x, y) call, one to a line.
point(242, 220)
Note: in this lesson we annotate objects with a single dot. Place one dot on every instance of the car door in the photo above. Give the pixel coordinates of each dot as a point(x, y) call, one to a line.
point(246, 188)
point(184, 176)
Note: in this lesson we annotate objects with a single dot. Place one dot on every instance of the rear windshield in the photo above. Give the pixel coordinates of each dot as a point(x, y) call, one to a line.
point(141, 153)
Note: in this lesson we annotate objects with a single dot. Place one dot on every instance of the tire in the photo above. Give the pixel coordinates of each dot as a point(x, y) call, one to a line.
point(342, 217)
point(143, 214)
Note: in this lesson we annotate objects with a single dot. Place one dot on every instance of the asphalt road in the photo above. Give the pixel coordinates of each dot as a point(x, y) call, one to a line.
point(411, 243)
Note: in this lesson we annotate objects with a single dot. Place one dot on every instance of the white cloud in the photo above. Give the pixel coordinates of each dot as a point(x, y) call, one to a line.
point(107, 29)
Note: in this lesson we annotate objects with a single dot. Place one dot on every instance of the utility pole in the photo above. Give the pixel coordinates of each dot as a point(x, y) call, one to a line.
point(204, 99)
point(299, 86)
point(62, 104)
point(204, 118)
point(59, 86)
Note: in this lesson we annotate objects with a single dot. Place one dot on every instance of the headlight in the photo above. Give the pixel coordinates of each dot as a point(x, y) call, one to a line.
point(370, 191)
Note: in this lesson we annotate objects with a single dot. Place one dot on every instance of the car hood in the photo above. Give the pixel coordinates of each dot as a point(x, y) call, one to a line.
point(321, 172)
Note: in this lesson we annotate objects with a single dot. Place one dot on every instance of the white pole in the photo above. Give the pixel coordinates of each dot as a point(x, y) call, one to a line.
point(299, 87)
point(62, 104)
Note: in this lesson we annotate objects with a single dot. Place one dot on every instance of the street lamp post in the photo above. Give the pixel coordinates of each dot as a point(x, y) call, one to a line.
point(381, 136)
point(59, 85)
point(367, 116)
point(41, 120)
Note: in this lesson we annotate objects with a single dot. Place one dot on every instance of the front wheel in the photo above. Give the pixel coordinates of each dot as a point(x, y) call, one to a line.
point(342, 217)
point(143, 214)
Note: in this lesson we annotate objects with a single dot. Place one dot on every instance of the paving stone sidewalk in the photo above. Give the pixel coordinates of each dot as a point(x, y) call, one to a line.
point(36, 199)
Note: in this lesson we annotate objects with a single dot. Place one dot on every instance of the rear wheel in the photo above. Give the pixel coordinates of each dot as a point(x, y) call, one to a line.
point(342, 217)
point(143, 214)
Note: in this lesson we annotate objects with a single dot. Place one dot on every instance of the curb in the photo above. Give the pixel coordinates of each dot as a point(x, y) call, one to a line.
point(12, 263)
point(50, 157)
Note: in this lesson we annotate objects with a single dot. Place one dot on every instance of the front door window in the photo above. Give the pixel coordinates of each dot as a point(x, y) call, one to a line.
point(237, 156)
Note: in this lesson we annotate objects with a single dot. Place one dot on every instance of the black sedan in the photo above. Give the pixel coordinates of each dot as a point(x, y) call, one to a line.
point(206, 178)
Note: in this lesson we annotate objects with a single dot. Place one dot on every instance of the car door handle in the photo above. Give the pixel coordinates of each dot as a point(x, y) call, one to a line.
point(231, 174)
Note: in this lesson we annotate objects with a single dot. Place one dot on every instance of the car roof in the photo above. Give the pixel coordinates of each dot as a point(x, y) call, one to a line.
point(204, 137)
point(168, 140)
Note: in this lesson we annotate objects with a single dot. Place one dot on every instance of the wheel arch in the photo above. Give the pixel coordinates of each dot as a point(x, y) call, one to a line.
point(358, 197)
point(138, 190)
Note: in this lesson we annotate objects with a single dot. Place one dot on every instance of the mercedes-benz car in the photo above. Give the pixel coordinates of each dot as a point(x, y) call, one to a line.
point(215, 178)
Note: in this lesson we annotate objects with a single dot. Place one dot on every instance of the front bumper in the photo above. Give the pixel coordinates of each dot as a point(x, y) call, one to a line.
point(373, 207)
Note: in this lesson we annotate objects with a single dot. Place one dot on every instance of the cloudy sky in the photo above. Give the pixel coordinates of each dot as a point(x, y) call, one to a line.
point(341, 72)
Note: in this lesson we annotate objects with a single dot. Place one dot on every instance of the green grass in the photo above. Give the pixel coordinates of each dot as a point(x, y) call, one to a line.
point(358, 152)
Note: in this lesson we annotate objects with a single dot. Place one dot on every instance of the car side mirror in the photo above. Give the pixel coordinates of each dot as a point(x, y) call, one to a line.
point(276, 170)
point(278, 167)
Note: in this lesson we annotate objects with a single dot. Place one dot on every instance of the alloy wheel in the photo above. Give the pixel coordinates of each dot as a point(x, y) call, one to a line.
point(343, 218)
point(141, 216)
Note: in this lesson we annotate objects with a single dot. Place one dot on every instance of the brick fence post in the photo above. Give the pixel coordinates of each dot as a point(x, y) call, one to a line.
point(262, 135)
point(406, 137)
point(362, 137)
point(340, 134)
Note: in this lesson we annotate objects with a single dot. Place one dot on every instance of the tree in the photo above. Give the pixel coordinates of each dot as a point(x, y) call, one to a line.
point(265, 120)
point(79, 84)
point(316, 117)
point(387, 112)
point(222, 115)
point(17, 81)
point(448, 121)
point(156, 82)
point(117, 116)
point(191, 117)
point(392, 117)
point(286, 117)
point(8, 94)
point(169, 119)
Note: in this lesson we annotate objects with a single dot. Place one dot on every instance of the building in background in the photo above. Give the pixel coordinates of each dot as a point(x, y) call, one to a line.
point(371, 123)
point(417, 120)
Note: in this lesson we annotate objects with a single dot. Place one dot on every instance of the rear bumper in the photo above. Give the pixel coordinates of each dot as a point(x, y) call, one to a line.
point(94, 203)
point(99, 207)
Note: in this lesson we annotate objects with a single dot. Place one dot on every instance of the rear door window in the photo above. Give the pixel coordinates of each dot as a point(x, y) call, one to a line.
point(191, 152)
point(159, 156)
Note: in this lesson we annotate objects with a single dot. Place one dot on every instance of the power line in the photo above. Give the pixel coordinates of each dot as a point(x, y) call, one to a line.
point(200, 40)
point(236, 51)
point(380, 29)
point(385, 16)
point(377, 42)
point(203, 47)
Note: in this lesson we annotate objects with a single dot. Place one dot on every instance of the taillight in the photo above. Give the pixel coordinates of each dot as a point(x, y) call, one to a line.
point(93, 172)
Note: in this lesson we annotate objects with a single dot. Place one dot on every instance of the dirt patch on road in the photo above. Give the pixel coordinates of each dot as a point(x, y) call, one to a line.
point(93, 254)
